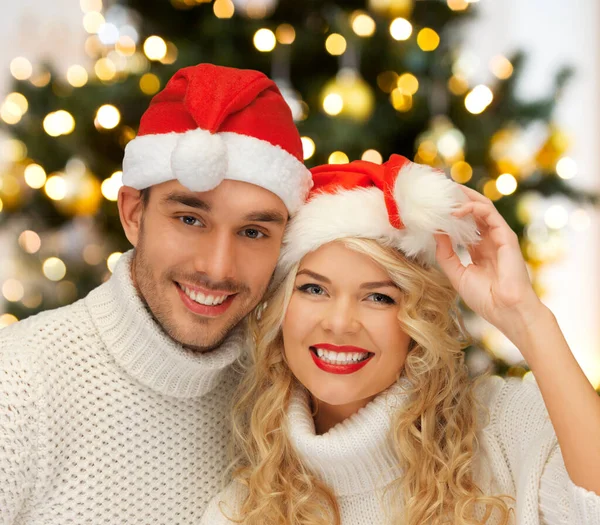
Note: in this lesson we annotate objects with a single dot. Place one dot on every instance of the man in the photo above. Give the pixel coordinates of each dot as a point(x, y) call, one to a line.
point(114, 409)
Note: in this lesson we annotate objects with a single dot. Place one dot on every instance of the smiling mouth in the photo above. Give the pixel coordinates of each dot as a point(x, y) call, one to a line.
point(340, 358)
point(204, 299)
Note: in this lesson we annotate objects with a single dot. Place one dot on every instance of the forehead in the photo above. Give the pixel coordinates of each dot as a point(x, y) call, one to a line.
point(232, 197)
point(340, 263)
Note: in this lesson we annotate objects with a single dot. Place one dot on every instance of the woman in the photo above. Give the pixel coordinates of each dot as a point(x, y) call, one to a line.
point(357, 407)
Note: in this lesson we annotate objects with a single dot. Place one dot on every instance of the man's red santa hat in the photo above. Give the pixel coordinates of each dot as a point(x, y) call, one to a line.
point(212, 123)
point(399, 203)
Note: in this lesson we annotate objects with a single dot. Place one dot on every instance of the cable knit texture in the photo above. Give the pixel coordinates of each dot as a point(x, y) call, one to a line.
point(105, 420)
point(519, 456)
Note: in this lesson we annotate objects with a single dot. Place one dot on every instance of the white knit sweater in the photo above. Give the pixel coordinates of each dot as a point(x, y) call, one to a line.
point(105, 420)
point(519, 457)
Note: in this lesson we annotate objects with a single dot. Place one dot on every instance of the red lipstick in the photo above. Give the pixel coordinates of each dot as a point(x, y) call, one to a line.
point(341, 368)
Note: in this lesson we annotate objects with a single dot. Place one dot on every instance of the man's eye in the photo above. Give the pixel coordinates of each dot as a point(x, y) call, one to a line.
point(312, 289)
point(190, 221)
point(252, 233)
point(381, 298)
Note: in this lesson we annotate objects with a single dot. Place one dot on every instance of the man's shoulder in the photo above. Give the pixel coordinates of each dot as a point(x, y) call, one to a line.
point(37, 331)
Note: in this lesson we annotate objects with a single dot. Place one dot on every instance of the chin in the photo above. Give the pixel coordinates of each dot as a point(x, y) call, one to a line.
point(335, 397)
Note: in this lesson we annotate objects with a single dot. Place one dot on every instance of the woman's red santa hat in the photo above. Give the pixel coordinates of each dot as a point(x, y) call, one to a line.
point(212, 123)
point(399, 203)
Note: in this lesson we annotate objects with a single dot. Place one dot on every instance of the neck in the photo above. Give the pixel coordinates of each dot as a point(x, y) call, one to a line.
point(327, 416)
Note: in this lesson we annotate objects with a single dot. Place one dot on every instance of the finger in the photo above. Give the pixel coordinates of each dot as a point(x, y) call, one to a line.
point(447, 259)
point(473, 194)
point(492, 223)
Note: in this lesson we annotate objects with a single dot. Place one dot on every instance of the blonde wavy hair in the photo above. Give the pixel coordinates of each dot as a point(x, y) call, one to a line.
point(434, 435)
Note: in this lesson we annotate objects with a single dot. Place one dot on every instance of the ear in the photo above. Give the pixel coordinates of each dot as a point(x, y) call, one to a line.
point(131, 209)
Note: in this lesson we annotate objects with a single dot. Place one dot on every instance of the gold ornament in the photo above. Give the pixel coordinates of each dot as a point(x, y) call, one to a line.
point(442, 145)
point(392, 8)
point(348, 95)
point(553, 149)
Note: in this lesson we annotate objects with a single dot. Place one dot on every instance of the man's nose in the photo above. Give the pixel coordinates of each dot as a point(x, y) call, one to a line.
point(217, 256)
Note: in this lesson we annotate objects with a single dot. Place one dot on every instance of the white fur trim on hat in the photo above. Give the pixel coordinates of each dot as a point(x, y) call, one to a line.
point(201, 160)
point(425, 200)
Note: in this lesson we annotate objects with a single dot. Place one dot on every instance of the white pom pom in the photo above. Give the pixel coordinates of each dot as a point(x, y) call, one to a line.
point(426, 199)
point(199, 160)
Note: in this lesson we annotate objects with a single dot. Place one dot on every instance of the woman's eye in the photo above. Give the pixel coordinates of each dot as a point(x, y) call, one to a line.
point(190, 221)
point(252, 233)
point(311, 289)
point(381, 298)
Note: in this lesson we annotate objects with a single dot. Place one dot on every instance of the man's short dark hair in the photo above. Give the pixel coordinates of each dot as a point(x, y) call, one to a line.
point(145, 195)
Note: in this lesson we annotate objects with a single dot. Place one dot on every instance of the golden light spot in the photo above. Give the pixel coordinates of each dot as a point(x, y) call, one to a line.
point(30, 241)
point(149, 84)
point(77, 76)
point(35, 176)
point(223, 8)
point(155, 48)
point(264, 40)
point(285, 34)
point(401, 29)
point(408, 83)
point(461, 172)
point(335, 44)
point(21, 68)
point(428, 39)
point(372, 155)
point(54, 269)
point(308, 147)
point(338, 157)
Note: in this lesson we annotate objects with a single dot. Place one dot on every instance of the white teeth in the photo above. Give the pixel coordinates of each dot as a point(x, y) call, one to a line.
point(206, 300)
point(341, 357)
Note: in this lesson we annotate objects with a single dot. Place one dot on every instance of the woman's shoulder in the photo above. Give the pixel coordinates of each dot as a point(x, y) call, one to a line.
point(512, 403)
point(223, 509)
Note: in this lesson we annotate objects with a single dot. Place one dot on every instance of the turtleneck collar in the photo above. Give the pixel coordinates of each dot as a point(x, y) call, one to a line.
point(145, 351)
point(356, 455)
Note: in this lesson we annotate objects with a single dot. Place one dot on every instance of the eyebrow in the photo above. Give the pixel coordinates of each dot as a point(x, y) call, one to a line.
point(265, 216)
point(195, 202)
point(366, 286)
point(187, 200)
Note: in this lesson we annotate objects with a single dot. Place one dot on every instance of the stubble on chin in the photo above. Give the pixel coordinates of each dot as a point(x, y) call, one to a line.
point(162, 312)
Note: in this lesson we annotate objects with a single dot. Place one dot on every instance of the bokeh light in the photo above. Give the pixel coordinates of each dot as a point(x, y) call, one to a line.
point(108, 116)
point(478, 99)
point(501, 67)
point(335, 44)
point(372, 155)
point(566, 168)
point(506, 184)
point(338, 157)
point(149, 84)
point(461, 172)
point(35, 176)
point(401, 29)
point(285, 34)
point(112, 260)
point(155, 48)
point(223, 8)
point(56, 187)
point(77, 76)
point(264, 40)
point(21, 68)
point(54, 269)
point(333, 104)
point(30, 241)
point(428, 39)
point(362, 24)
point(308, 147)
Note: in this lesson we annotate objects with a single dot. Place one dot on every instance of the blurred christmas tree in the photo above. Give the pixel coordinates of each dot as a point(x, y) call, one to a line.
point(364, 79)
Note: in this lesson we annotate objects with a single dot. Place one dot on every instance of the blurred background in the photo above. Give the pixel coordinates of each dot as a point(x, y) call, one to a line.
point(501, 94)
